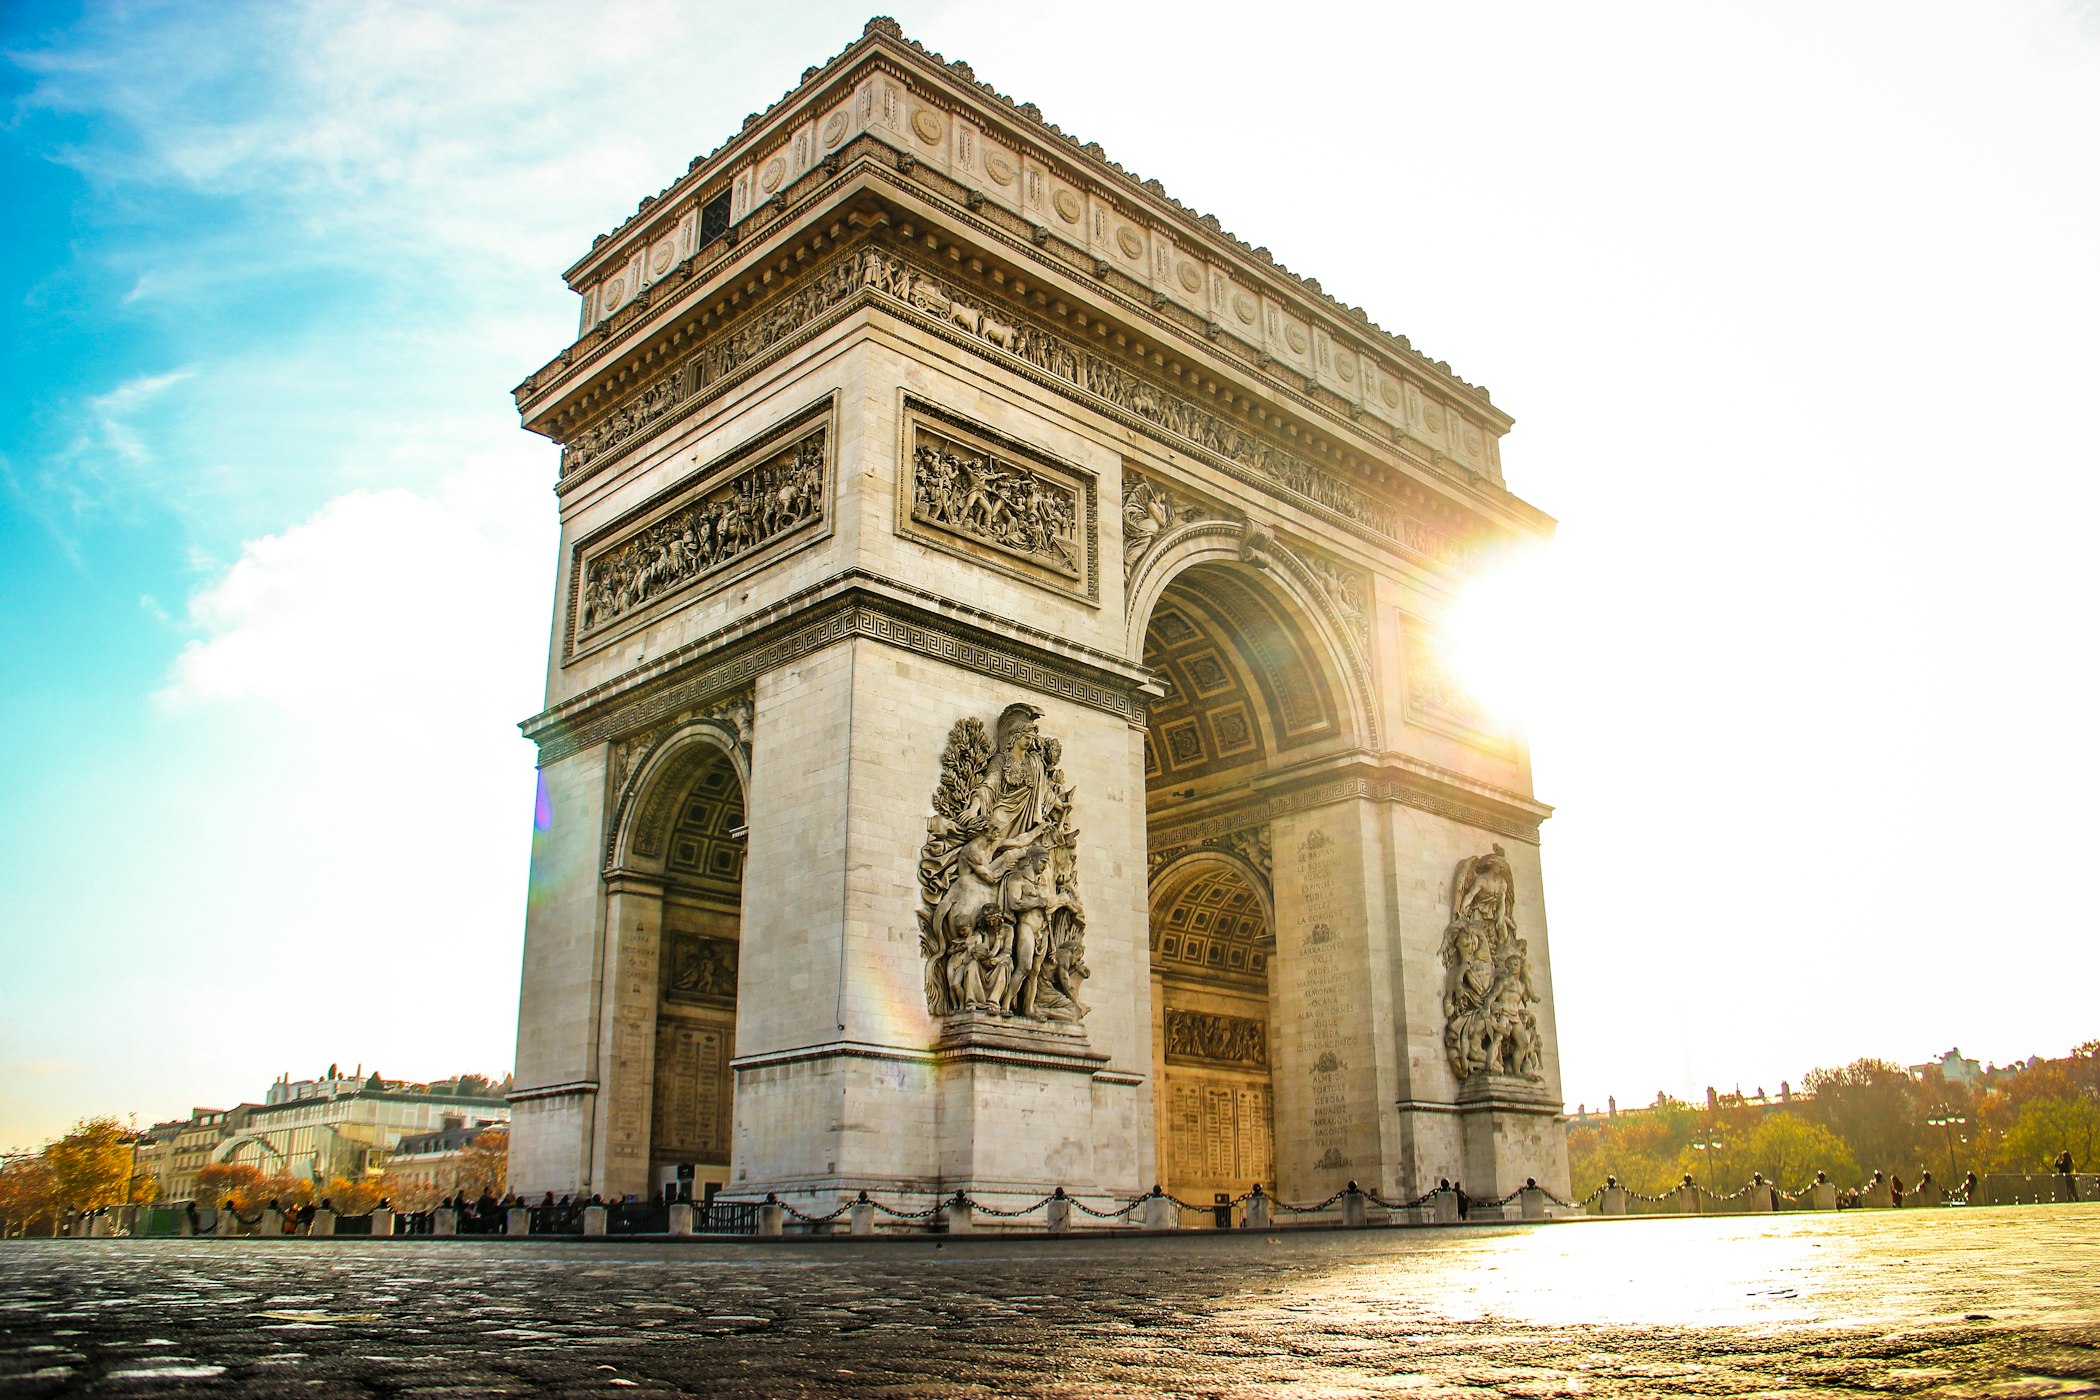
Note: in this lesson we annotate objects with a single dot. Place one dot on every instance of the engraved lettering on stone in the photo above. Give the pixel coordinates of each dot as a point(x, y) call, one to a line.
point(756, 507)
point(971, 492)
point(1201, 1036)
point(1489, 1025)
point(1002, 929)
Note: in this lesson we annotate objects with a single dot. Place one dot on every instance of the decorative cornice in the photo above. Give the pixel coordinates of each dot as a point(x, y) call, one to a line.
point(1389, 778)
point(884, 43)
point(851, 605)
point(571, 1089)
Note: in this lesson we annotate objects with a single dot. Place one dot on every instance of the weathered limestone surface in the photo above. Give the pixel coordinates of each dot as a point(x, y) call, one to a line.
point(901, 413)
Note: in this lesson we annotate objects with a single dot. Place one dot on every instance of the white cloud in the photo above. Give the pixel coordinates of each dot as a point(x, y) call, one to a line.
point(377, 601)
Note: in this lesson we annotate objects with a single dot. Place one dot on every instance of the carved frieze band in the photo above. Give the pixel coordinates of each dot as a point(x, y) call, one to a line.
point(971, 491)
point(885, 621)
point(993, 326)
point(1205, 1038)
point(742, 510)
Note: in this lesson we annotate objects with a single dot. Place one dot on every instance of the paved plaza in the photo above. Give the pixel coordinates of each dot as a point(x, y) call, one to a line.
point(1997, 1303)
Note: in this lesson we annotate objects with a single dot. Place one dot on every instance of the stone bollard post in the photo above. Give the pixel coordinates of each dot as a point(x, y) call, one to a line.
point(324, 1223)
point(1760, 1195)
point(860, 1216)
point(1161, 1213)
point(183, 1224)
point(1059, 1213)
point(594, 1220)
point(1612, 1200)
point(101, 1225)
point(1822, 1194)
point(517, 1221)
point(1875, 1194)
point(1928, 1193)
point(681, 1222)
point(772, 1217)
point(1689, 1196)
point(1258, 1217)
point(128, 1221)
point(1446, 1206)
point(382, 1222)
point(1353, 1208)
point(271, 1225)
point(957, 1214)
point(444, 1221)
point(222, 1223)
point(1532, 1200)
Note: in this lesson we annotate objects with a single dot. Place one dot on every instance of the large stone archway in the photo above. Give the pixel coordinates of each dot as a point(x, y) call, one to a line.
point(1062, 582)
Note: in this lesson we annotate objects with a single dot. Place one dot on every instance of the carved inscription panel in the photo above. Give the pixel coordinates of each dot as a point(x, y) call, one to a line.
point(692, 1092)
point(1324, 996)
point(1219, 1135)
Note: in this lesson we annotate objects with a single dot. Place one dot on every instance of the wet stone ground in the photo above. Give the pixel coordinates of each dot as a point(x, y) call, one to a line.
point(1989, 1303)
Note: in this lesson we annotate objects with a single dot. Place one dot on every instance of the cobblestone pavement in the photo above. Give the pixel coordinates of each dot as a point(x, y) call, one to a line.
point(1990, 1303)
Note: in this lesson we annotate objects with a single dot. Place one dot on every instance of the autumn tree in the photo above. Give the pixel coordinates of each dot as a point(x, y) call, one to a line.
point(28, 1196)
point(361, 1194)
point(1790, 1150)
point(1640, 1148)
point(1875, 1108)
point(2047, 1127)
point(485, 1163)
point(91, 1165)
point(243, 1183)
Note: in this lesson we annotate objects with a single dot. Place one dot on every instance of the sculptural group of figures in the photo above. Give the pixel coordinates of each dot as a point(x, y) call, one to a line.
point(1003, 930)
point(975, 495)
point(1489, 1025)
point(767, 501)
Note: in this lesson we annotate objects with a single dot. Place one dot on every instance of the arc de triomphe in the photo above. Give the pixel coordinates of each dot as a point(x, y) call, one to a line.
point(997, 733)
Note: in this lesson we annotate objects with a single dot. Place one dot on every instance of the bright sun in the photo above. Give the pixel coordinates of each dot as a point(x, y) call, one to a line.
point(1496, 632)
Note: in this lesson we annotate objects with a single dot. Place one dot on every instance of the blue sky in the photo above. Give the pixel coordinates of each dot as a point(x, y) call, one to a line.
point(1792, 304)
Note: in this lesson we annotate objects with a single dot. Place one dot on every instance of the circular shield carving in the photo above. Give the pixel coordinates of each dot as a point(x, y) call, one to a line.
point(660, 259)
point(1390, 392)
point(1191, 277)
point(835, 129)
point(1296, 338)
point(1127, 239)
point(1345, 367)
point(613, 287)
point(926, 126)
point(1243, 307)
point(769, 178)
point(999, 168)
point(1067, 206)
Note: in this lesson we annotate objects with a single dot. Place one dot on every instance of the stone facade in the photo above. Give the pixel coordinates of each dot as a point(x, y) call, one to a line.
point(997, 734)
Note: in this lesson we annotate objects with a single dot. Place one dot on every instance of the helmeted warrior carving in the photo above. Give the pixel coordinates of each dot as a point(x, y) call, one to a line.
point(1489, 1025)
point(1002, 930)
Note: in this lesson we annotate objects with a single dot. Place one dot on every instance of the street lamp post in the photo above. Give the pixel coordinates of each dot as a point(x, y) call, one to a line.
point(1947, 1120)
point(1710, 1147)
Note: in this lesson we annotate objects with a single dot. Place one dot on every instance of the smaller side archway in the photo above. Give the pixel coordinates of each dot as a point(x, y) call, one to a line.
point(1211, 940)
point(674, 880)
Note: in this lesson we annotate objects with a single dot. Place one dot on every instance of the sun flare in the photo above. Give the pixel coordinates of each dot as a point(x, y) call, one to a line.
point(1495, 634)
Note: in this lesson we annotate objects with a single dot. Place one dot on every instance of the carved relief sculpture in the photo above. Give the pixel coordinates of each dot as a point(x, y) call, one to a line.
point(999, 503)
point(754, 508)
point(1204, 1037)
point(1149, 510)
point(1489, 1025)
point(702, 969)
point(1003, 931)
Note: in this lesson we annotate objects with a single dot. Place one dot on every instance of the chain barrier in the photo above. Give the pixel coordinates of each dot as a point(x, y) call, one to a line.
point(1417, 1203)
point(1308, 1210)
point(974, 1204)
point(1108, 1214)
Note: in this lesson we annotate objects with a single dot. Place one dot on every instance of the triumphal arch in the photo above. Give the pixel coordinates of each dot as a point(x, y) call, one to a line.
point(998, 734)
